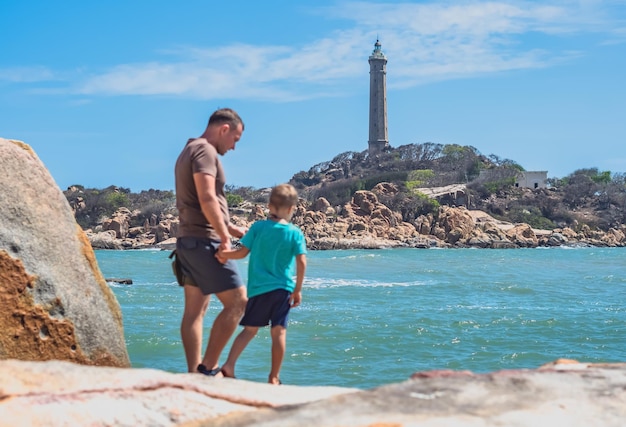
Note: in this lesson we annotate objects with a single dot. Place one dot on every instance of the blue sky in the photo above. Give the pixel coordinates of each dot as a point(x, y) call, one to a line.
point(107, 93)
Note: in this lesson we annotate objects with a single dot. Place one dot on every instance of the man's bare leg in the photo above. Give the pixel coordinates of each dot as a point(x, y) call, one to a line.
point(224, 325)
point(279, 346)
point(240, 343)
point(196, 304)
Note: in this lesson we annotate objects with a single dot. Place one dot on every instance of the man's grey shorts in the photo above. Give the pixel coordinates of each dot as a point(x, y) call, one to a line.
point(202, 269)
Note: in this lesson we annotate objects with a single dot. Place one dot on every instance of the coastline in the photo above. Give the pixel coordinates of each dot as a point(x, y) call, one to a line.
point(454, 228)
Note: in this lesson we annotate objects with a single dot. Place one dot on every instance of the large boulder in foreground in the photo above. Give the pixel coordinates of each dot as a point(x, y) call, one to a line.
point(55, 302)
point(59, 393)
point(561, 395)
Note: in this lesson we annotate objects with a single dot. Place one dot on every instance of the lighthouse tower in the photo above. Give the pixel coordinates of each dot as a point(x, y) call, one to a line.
point(378, 137)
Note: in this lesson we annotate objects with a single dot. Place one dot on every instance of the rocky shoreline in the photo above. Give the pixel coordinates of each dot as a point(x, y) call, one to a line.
point(366, 223)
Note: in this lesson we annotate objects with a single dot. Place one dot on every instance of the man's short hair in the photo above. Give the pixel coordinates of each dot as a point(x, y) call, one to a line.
point(226, 116)
point(283, 196)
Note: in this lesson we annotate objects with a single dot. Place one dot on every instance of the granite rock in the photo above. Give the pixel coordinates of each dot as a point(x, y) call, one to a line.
point(55, 302)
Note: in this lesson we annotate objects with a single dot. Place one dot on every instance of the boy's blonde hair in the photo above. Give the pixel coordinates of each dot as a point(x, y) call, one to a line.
point(283, 196)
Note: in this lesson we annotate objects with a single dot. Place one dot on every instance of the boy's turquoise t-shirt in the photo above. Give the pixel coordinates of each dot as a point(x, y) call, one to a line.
point(273, 248)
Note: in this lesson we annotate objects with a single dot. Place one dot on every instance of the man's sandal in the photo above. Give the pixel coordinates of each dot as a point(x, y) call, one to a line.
point(210, 372)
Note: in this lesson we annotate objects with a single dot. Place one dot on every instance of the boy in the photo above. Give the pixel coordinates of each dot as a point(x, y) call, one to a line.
point(275, 245)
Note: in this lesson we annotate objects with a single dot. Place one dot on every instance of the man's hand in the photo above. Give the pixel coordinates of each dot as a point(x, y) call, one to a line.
point(224, 246)
point(219, 255)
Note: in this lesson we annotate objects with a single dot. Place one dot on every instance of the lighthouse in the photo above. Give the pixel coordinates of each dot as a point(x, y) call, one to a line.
point(378, 137)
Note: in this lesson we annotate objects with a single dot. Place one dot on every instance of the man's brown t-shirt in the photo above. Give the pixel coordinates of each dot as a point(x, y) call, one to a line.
point(198, 156)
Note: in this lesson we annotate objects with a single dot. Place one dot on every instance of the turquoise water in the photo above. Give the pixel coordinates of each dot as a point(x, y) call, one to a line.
point(372, 317)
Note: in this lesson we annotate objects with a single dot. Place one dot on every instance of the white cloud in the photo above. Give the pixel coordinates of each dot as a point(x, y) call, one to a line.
point(26, 74)
point(244, 71)
point(426, 41)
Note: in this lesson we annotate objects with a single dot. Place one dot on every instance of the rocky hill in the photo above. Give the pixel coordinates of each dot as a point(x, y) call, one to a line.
point(585, 197)
point(416, 195)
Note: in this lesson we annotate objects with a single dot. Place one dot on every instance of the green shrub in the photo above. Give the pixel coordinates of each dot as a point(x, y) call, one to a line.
point(418, 178)
point(233, 199)
point(116, 200)
point(531, 216)
point(493, 187)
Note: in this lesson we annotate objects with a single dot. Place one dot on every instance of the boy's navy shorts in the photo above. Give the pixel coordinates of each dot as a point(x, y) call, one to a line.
point(202, 269)
point(269, 307)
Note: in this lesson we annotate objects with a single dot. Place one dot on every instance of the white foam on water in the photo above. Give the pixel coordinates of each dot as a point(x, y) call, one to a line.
point(319, 283)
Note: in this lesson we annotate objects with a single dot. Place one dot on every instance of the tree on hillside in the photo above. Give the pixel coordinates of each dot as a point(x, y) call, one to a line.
point(580, 186)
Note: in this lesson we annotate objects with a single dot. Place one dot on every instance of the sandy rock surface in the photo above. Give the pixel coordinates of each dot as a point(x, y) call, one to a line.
point(59, 393)
point(562, 395)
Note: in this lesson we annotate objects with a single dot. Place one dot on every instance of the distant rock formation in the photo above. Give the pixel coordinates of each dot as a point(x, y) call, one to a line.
point(362, 223)
point(116, 233)
point(366, 223)
point(55, 302)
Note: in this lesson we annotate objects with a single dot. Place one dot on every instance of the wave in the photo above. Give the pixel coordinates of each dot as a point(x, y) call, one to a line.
point(324, 283)
point(355, 256)
point(140, 284)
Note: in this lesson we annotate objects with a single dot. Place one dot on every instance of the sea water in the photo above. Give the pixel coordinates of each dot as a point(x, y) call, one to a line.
point(373, 317)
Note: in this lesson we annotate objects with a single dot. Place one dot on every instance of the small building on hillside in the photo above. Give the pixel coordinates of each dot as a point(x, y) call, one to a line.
point(523, 179)
point(531, 179)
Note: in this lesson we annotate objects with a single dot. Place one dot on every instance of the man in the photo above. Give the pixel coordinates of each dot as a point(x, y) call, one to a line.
point(204, 228)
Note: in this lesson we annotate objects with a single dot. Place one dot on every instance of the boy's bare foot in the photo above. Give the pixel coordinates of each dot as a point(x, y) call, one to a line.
point(226, 373)
point(274, 380)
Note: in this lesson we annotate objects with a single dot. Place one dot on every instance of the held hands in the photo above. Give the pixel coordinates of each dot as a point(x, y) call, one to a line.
point(233, 231)
point(224, 252)
point(295, 299)
point(224, 246)
point(220, 257)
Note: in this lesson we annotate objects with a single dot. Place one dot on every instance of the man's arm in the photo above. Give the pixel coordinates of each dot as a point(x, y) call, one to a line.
point(236, 231)
point(210, 205)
